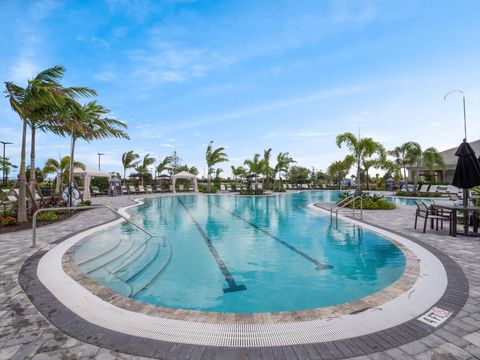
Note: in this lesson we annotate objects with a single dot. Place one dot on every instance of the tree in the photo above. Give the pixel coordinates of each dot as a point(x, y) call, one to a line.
point(338, 170)
point(89, 122)
point(238, 172)
point(298, 174)
point(255, 167)
point(128, 161)
point(360, 150)
point(61, 169)
point(42, 98)
point(405, 155)
point(175, 163)
point(283, 164)
point(5, 167)
point(164, 165)
point(213, 157)
point(430, 158)
point(267, 171)
point(142, 167)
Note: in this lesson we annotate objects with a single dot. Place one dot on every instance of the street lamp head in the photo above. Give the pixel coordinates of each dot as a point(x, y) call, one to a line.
point(6, 142)
point(100, 154)
point(451, 92)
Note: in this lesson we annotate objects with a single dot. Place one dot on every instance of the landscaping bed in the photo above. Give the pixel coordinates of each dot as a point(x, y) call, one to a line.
point(13, 227)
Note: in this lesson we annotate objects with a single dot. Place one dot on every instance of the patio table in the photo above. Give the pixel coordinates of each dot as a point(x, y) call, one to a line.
point(454, 209)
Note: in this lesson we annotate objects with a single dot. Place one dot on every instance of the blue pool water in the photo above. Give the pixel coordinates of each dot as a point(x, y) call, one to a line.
point(240, 254)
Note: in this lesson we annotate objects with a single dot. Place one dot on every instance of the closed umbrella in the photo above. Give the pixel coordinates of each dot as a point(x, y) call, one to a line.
point(467, 173)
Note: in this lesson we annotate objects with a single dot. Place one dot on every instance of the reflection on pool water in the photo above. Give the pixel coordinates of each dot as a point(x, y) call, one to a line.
point(240, 254)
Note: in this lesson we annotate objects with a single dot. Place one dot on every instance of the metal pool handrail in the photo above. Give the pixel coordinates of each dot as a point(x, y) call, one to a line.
point(34, 220)
point(351, 199)
point(340, 204)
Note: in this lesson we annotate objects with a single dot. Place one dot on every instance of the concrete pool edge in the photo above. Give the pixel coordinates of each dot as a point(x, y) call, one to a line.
point(409, 327)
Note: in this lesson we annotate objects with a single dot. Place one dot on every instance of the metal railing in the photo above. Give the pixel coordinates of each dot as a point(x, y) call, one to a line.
point(345, 202)
point(34, 220)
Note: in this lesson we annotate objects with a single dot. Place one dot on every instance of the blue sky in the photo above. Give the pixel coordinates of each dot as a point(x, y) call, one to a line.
point(250, 75)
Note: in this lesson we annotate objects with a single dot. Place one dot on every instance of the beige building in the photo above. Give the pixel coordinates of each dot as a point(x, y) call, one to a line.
point(445, 175)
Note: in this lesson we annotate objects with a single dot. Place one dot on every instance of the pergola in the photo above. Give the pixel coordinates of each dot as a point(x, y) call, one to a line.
point(87, 176)
point(185, 175)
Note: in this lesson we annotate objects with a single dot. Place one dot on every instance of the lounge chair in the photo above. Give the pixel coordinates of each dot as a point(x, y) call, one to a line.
point(158, 188)
point(222, 188)
point(424, 188)
point(190, 188)
point(170, 188)
point(433, 188)
point(260, 186)
point(285, 186)
point(132, 190)
point(181, 187)
point(290, 187)
point(141, 189)
point(124, 190)
point(238, 187)
point(96, 191)
point(229, 188)
point(149, 189)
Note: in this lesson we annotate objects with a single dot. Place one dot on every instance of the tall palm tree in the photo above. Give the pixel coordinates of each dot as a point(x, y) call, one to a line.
point(238, 172)
point(283, 164)
point(255, 167)
point(128, 161)
point(267, 171)
point(164, 165)
point(360, 150)
point(142, 167)
point(42, 97)
point(60, 168)
point(214, 157)
point(89, 122)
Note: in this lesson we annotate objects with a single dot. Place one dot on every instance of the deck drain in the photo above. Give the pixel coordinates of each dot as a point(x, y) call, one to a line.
point(435, 316)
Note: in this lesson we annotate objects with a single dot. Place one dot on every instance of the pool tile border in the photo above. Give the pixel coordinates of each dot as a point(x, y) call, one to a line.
point(452, 300)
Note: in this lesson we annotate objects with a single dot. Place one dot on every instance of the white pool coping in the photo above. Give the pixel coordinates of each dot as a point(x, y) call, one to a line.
point(426, 291)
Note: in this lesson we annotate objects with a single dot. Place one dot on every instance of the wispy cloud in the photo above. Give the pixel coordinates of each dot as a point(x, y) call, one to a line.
point(105, 76)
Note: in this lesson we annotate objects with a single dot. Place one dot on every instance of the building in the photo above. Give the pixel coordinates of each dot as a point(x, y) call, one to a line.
point(442, 175)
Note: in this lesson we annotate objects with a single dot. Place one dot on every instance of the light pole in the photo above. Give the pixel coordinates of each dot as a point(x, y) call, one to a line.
point(4, 164)
point(464, 112)
point(99, 154)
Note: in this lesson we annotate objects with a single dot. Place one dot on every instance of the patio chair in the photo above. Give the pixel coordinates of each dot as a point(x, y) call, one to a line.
point(132, 190)
point(229, 188)
point(141, 189)
point(260, 186)
point(170, 188)
point(124, 190)
point(290, 186)
point(424, 188)
point(181, 187)
point(427, 213)
point(190, 188)
point(95, 191)
point(158, 188)
point(238, 187)
point(433, 188)
point(222, 188)
point(149, 189)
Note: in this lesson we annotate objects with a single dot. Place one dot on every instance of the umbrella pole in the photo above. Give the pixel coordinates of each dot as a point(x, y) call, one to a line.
point(466, 218)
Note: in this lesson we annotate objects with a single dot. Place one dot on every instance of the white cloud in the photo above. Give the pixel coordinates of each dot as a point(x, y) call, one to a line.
point(105, 76)
point(23, 70)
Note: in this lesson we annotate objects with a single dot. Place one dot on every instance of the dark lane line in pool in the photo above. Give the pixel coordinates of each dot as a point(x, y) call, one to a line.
point(232, 285)
point(318, 265)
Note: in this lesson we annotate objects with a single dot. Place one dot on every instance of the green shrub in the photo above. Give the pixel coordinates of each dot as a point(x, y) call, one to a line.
point(47, 216)
point(8, 220)
point(85, 203)
point(418, 194)
point(370, 201)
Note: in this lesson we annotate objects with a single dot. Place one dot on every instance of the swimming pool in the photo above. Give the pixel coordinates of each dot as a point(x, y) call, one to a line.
point(240, 254)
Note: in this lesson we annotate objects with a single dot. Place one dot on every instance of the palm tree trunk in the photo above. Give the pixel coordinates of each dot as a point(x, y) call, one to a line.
point(33, 178)
point(124, 176)
point(359, 183)
point(415, 183)
point(71, 175)
point(405, 178)
point(22, 180)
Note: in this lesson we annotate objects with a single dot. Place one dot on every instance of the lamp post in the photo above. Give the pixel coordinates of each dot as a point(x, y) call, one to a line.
point(99, 154)
point(464, 112)
point(4, 161)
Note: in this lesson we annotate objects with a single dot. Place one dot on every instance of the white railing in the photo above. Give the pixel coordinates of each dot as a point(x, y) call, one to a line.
point(34, 220)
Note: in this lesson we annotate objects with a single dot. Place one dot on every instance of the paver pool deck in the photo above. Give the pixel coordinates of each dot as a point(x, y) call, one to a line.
point(25, 333)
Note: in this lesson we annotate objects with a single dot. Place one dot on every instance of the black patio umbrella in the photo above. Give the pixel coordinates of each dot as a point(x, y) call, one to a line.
point(467, 173)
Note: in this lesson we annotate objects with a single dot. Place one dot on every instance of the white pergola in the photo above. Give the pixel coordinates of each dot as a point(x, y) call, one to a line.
point(87, 176)
point(185, 175)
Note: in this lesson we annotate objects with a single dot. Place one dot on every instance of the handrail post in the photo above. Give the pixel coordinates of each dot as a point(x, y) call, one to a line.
point(34, 219)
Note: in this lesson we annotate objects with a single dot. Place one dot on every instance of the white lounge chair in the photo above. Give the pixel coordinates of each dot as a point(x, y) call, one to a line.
point(290, 187)
point(132, 189)
point(229, 188)
point(190, 188)
point(158, 188)
point(433, 188)
point(424, 188)
point(124, 190)
point(181, 187)
point(222, 188)
point(149, 189)
point(141, 189)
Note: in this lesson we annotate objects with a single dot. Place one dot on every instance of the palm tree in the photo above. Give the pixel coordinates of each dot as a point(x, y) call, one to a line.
point(255, 167)
point(360, 150)
point(238, 172)
point(42, 97)
point(164, 165)
point(404, 155)
point(128, 161)
point(214, 157)
point(338, 170)
point(267, 170)
point(89, 122)
point(60, 168)
point(283, 164)
point(429, 158)
point(142, 168)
